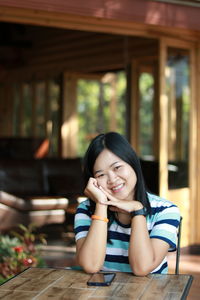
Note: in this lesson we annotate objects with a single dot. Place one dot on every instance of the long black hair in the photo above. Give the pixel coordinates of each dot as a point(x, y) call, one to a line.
point(118, 145)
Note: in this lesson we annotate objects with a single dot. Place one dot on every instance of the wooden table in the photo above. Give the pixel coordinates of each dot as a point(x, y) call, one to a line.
point(50, 283)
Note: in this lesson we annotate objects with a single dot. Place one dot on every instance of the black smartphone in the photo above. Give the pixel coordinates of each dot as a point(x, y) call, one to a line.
point(101, 279)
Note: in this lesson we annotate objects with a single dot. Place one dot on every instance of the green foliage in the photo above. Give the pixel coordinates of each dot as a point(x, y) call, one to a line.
point(93, 107)
point(6, 246)
point(146, 87)
point(88, 93)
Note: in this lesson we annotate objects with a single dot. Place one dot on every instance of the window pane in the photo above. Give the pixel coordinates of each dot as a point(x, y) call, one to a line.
point(101, 107)
point(146, 115)
point(178, 91)
point(121, 112)
point(88, 92)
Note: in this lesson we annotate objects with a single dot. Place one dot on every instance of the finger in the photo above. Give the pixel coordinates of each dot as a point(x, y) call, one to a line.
point(95, 183)
point(110, 197)
point(110, 203)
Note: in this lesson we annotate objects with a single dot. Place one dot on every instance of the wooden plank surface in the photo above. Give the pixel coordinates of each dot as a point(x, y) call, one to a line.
point(49, 283)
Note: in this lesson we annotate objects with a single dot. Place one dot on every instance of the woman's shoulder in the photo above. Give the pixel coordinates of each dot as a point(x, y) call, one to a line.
point(85, 202)
point(163, 210)
point(83, 210)
point(156, 200)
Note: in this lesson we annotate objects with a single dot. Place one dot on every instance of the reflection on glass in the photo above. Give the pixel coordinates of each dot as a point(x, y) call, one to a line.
point(178, 92)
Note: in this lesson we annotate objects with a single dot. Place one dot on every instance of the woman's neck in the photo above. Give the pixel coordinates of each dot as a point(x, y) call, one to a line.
point(123, 218)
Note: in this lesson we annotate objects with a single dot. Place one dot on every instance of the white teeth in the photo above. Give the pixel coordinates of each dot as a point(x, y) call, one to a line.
point(118, 187)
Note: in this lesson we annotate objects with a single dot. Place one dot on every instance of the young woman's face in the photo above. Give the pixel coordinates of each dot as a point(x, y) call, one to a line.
point(115, 175)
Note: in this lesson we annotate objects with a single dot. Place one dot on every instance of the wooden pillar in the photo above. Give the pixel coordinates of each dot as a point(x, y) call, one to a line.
point(172, 122)
point(163, 121)
point(48, 125)
point(33, 86)
point(69, 127)
point(134, 106)
point(194, 150)
point(156, 128)
point(113, 104)
point(6, 108)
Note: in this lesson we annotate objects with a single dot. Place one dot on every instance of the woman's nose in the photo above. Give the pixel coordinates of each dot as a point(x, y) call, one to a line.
point(111, 176)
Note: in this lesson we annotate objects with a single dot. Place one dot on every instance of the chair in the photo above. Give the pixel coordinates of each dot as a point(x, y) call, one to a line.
point(178, 251)
point(38, 210)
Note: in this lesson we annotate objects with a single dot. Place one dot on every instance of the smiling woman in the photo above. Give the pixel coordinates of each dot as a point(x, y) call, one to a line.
point(115, 175)
point(121, 227)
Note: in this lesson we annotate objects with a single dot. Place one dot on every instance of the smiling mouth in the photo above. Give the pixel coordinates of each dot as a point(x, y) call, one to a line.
point(117, 188)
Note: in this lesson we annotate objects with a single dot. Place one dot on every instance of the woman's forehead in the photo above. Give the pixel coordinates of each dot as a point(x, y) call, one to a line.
point(106, 159)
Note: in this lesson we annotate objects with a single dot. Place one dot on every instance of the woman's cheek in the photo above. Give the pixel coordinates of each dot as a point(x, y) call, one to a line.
point(101, 182)
point(98, 181)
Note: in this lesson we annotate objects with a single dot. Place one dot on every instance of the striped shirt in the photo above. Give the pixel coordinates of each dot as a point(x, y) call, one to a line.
point(162, 224)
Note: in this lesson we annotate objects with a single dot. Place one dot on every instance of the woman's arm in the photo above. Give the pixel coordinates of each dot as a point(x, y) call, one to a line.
point(145, 254)
point(91, 250)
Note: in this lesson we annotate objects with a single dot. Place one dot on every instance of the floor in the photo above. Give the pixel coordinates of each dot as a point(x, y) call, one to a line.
point(62, 254)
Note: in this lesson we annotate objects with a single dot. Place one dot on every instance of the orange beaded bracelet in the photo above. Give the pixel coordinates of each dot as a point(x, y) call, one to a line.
point(94, 217)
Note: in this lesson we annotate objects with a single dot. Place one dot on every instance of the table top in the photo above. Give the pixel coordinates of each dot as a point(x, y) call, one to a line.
point(51, 283)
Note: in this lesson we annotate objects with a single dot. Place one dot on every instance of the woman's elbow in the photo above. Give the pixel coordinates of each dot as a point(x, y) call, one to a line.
point(140, 270)
point(88, 267)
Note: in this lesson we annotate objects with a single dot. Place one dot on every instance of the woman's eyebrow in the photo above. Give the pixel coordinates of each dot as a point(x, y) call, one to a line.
point(99, 171)
point(114, 163)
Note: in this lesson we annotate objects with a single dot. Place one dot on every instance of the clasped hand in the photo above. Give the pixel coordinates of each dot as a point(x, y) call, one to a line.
point(99, 195)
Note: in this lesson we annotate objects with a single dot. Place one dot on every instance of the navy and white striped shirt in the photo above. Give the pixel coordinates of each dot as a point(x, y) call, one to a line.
point(162, 224)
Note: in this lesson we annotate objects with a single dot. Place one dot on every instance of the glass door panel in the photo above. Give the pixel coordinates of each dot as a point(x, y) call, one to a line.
point(178, 93)
point(148, 124)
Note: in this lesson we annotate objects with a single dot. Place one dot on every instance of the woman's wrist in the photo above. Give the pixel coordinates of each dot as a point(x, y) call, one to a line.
point(101, 210)
point(138, 205)
point(99, 218)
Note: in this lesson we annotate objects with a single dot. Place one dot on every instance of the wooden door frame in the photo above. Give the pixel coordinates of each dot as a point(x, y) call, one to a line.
point(194, 215)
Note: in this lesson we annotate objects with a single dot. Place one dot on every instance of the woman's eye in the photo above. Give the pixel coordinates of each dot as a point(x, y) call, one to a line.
point(117, 167)
point(100, 175)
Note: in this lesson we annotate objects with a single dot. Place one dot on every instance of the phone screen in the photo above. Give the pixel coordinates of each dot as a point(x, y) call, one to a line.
point(101, 279)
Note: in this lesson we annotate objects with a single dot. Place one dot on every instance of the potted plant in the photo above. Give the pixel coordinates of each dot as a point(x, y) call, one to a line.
point(20, 250)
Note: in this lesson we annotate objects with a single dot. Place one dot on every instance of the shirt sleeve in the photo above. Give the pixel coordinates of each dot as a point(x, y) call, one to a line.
point(166, 226)
point(82, 220)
